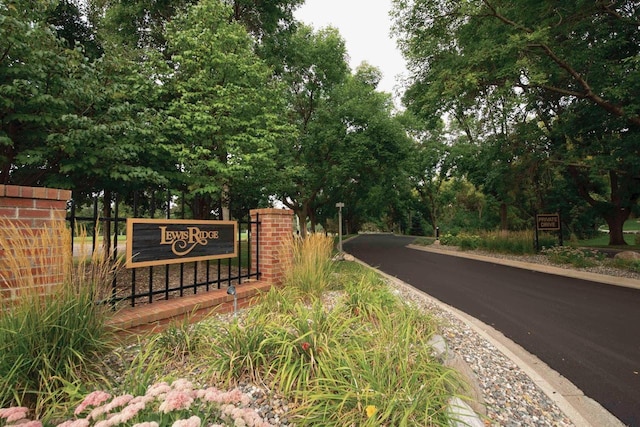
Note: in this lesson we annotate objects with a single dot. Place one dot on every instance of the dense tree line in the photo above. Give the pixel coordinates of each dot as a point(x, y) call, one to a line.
point(230, 103)
point(513, 108)
point(540, 98)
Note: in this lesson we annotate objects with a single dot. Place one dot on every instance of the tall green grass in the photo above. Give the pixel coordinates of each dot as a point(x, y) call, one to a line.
point(311, 269)
point(359, 357)
point(48, 340)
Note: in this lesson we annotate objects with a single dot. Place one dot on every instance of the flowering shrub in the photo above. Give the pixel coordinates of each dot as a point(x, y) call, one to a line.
point(163, 405)
point(574, 256)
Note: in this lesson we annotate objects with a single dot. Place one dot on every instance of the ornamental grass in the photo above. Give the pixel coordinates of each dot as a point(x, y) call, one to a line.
point(357, 357)
point(48, 336)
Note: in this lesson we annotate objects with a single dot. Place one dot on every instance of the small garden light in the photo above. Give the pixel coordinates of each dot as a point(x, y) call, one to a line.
point(231, 290)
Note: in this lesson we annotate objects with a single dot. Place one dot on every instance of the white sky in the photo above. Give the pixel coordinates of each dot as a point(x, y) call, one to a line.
point(365, 26)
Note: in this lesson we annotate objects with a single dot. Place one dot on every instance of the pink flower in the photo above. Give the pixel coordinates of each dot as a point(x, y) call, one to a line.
point(147, 424)
point(115, 403)
point(182, 384)
point(126, 414)
point(103, 423)
point(93, 399)
point(118, 402)
point(158, 389)
point(191, 422)
point(14, 413)
point(176, 399)
point(141, 399)
point(82, 422)
point(31, 424)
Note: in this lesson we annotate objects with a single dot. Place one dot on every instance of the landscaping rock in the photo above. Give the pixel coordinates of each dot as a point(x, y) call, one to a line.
point(450, 359)
point(628, 256)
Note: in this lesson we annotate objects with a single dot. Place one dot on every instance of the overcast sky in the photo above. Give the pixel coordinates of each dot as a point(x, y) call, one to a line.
point(365, 25)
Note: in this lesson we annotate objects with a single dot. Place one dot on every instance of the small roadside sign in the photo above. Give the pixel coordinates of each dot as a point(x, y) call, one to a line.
point(548, 222)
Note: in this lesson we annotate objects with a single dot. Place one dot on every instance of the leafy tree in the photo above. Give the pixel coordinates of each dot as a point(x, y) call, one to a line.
point(134, 24)
point(430, 165)
point(370, 145)
point(265, 19)
point(573, 66)
point(109, 140)
point(313, 64)
point(71, 123)
point(72, 27)
point(36, 79)
point(223, 119)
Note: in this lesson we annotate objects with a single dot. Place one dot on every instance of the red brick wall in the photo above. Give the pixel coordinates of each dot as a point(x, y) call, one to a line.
point(32, 210)
point(276, 231)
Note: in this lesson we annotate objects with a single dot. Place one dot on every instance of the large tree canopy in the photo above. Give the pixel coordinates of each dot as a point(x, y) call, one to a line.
point(223, 115)
point(574, 66)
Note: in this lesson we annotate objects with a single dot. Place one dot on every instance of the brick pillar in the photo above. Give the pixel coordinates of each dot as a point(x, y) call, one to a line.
point(32, 211)
point(274, 251)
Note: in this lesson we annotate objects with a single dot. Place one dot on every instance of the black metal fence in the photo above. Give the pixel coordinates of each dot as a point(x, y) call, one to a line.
point(104, 230)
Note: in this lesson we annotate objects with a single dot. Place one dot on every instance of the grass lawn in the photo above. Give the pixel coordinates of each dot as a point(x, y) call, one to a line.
point(632, 225)
point(603, 240)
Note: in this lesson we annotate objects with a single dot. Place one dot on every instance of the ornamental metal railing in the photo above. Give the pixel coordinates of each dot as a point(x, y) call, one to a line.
point(104, 230)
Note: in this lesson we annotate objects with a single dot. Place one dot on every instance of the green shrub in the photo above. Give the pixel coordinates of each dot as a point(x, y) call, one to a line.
point(512, 242)
point(424, 241)
point(463, 240)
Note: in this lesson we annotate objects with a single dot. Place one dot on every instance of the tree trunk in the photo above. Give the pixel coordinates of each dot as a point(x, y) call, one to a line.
point(624, 193)
point(504, 225)
point(615, 221)
point(312, 220)
point(301, 213)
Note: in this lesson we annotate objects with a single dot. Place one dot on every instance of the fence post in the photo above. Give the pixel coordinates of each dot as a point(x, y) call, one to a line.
point(271, 231)
point(34, 210)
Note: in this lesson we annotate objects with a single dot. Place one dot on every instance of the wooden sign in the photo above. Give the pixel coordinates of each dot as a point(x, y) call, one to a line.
point(548, 222)
point(164, 241)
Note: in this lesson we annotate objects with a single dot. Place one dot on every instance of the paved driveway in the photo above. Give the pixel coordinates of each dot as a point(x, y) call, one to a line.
point(586, 331)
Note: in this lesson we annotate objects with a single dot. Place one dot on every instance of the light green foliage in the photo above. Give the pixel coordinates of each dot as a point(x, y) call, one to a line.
point(224, 118)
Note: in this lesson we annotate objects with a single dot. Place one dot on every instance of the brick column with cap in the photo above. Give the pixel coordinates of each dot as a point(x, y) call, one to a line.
point(33, 210)
point(273, 243)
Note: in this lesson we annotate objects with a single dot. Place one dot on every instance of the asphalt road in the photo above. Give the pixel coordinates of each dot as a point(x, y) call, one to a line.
point(586, 331)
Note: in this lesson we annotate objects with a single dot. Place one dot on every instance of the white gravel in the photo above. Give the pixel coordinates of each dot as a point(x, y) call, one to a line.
point(510, 397)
